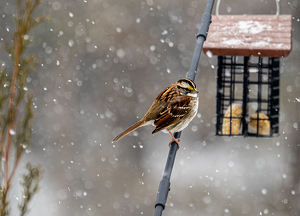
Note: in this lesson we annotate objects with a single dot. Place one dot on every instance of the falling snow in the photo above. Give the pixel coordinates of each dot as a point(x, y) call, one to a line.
point(101, 65)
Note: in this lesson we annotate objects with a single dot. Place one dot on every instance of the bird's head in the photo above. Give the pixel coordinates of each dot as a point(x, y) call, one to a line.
point(187, 87)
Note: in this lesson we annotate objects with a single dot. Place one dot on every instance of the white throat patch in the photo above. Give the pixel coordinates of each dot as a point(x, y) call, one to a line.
point(192, 95)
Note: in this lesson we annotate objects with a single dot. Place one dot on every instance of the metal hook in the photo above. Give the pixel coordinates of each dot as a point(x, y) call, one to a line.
point(277, 7)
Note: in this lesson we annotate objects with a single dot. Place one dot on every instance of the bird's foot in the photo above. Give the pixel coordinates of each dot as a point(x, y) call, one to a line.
point(174, 140)
point(177, 141)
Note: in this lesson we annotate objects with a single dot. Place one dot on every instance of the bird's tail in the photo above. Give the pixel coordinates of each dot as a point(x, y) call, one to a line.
point(132, 128)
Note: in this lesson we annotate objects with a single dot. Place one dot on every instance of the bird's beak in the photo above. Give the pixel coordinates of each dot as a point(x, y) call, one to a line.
point(195, 90)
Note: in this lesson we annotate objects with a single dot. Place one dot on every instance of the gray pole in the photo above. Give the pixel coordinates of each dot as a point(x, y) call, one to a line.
point(164, 185)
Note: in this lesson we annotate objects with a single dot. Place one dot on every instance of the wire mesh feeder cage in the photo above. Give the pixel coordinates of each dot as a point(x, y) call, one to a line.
point(249, 48)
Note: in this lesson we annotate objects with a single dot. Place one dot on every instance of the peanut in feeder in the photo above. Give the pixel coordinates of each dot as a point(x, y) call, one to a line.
point(249, 48)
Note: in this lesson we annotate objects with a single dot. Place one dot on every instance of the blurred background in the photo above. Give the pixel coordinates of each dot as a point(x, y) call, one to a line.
point(102, 65)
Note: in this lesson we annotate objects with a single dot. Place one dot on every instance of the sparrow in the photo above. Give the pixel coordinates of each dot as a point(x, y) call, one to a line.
point(234, 111)
point(263, 123)
point(172, 110)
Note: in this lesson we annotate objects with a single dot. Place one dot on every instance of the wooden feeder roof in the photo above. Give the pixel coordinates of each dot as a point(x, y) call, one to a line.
point(249, 35)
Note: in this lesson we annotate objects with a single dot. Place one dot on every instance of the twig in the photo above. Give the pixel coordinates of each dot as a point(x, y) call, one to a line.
point(1, 144)
point(11, 119)
point(19, 156)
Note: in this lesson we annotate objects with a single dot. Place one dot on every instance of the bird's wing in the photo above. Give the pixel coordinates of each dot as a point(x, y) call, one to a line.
point(177, 109)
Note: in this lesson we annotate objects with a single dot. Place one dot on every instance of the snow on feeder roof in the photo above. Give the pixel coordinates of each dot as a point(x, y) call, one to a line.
point(249, 35)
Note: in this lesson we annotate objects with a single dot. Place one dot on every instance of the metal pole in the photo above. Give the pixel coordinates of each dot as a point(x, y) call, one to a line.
point(245, 94)
point(164, 185)
point(201, 37)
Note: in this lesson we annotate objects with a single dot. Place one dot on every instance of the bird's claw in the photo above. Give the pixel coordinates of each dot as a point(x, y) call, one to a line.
point(175, 140)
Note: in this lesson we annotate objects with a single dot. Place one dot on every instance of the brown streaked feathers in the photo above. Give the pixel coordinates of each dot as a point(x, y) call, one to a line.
point(171, 111)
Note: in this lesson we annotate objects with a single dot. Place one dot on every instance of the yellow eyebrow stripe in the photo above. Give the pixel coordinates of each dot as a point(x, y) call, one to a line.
point(190, 88)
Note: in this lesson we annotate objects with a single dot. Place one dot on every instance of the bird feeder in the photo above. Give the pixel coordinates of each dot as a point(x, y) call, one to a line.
point(249, 48)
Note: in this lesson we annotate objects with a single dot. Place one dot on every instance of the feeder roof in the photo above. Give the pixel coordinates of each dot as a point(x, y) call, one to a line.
point(249, 35)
